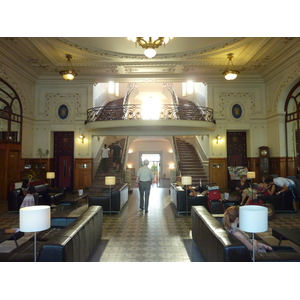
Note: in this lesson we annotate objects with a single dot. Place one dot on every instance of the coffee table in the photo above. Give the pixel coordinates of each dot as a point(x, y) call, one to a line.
point(291, 234)
point(9, 236)
point(72, 199)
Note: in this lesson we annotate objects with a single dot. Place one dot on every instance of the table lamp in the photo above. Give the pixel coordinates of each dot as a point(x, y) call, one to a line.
point(110, 180)
point(33, 219)
point(186, 180)
point(251, 175)
point(253, 219)
point(50, 175)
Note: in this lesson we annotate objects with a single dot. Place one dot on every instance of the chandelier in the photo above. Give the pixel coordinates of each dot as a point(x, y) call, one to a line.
point(69, 73)
point(150, 43)
point(230, 73)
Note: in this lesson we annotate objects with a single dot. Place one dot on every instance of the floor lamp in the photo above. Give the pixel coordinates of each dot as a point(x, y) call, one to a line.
point(50, 175)
point(33, 219)
point(186, 180)
point(253, 219)
point(110, 180)
point(251, 175)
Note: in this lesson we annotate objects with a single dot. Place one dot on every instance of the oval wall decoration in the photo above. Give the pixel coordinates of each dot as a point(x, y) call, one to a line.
point(237, 111)
point(63, 111)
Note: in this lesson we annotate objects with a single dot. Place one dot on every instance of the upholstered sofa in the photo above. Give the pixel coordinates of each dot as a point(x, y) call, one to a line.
point(44, 196)
point(217, 245)
point(68, 240)
point(183, 204)
point(282, 202)
point(119, 197)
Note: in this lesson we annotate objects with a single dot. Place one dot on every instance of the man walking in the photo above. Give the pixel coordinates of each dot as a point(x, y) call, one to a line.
point(116, 154)
point(144, 180)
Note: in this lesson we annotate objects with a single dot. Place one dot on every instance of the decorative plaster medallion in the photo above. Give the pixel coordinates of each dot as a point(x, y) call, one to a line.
point(63, 111)
point(236, 111)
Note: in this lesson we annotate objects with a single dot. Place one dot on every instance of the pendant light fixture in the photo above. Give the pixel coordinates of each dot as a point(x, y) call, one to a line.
point(150, 44)
point(230, 73)
point(69, 73)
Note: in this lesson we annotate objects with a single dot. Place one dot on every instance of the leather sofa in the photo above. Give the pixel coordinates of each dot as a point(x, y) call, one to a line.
point(68, 240)
point(178, 198)
point(284, 201)
point(44, 196)
point(119, 197)
point(217, 245)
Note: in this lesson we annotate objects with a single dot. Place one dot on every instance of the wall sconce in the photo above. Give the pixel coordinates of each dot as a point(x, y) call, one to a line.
point(129, 166)
point(130, 151)
point(81, 138)
point(218, 138)
point(171, 166)
point(171, 151)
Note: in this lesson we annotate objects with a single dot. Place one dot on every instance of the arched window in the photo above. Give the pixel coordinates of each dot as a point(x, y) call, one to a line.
point(292, 121)
point(10, 114)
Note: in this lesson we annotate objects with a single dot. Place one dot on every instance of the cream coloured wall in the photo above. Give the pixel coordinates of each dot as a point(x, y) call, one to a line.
point(163, 146)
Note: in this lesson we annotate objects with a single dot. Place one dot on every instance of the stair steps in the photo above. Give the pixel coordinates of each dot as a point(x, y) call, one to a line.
point(190, 164)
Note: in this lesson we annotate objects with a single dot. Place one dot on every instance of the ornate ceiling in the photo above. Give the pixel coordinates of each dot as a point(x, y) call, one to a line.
point(100, 59)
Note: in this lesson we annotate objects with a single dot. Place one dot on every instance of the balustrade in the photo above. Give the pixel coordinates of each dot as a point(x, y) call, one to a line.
point(135, 112)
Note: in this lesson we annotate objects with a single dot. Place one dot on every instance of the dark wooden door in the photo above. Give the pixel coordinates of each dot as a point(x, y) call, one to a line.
point(236, 149)
point(65, 171)
point(64, 159)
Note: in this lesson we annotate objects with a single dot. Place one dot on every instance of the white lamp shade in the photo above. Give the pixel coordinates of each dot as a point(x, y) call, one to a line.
point(50, 175)
point(186, 180)
point(250, 175)
point(110, 180)
point(253, 218)
point(35, 218)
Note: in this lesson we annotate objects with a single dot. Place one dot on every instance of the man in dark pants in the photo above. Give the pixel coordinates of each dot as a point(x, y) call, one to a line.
point(117, 153)
point(144, 180)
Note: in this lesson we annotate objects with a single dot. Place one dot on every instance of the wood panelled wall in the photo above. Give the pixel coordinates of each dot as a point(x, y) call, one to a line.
point(218, 172)
point(83, 173)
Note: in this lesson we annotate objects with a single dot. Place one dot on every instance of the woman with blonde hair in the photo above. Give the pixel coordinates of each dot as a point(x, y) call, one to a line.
point(231, 221)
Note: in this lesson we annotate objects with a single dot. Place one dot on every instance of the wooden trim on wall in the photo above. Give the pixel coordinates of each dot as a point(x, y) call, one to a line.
point(83, 171)
point(278, 166)
point(218, 172)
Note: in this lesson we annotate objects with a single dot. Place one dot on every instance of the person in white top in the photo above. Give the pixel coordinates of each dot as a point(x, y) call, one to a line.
point(105, 153)
point(144, 180)
point(284, 184)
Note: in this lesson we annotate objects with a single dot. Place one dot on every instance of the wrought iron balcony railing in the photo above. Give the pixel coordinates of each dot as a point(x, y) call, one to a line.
point(137, 112)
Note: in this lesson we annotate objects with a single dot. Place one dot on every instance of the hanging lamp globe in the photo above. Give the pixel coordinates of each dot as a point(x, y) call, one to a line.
point(69, 73)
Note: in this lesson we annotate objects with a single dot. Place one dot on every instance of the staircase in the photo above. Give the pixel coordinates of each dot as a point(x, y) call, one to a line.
point(98, 184)
point(190, 164)
point(112, 111)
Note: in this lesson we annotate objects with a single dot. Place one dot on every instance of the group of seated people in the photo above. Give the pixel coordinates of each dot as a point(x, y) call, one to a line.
point(268, 186)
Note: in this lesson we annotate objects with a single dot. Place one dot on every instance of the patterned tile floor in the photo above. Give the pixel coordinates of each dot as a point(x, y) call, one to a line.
point(159, 236)
point(132, 235)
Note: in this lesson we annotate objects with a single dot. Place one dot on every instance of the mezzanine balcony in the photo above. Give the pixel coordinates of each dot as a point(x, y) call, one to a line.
point(168, 118)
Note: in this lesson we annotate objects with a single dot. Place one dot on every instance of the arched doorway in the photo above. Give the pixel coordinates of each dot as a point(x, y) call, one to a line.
point(11, 117)
point(292, 133)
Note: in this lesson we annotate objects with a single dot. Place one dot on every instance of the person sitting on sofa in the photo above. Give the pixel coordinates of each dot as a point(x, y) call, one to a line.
point(241, 186)
point(284, 184)
point(260, 189)
point(194, 193)
point(29, 198)
point(231, 221)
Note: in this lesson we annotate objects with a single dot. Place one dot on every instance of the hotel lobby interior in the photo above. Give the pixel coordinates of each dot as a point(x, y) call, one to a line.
point(51, 122)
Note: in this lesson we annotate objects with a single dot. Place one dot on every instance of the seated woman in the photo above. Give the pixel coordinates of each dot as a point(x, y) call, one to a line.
point(29, 198)
point(241, 186)
point(262, 189)
point(193, 192)
point(231, 221)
